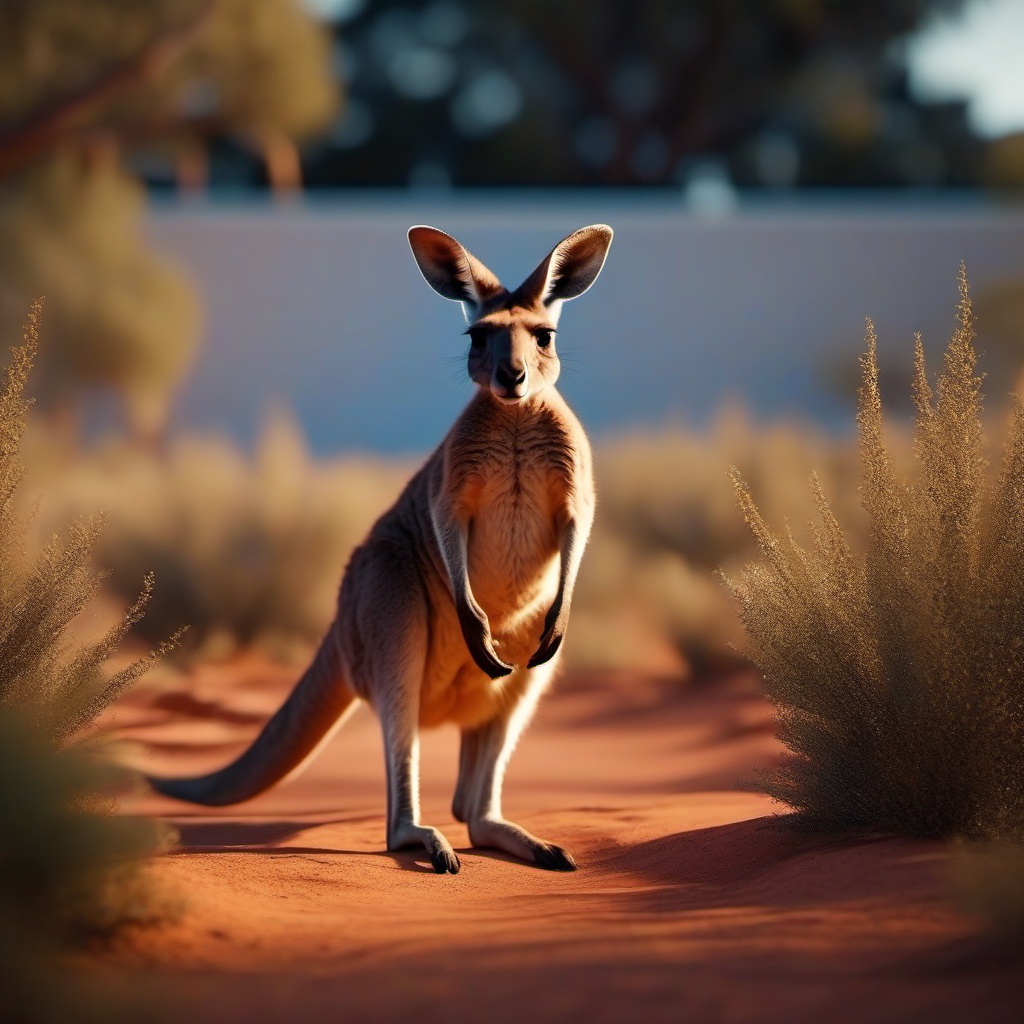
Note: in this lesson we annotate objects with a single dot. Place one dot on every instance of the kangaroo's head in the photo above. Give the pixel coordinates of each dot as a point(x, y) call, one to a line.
point(512, 334)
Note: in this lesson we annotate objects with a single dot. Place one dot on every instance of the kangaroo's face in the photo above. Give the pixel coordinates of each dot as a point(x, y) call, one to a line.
point(512, 353)
point(511, 334)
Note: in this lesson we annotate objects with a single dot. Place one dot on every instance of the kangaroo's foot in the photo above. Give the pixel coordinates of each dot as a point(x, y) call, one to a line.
point(442, 856)
point(499, 834)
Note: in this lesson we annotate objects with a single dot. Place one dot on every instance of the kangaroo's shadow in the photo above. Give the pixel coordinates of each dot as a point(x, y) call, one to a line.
point(265, 837)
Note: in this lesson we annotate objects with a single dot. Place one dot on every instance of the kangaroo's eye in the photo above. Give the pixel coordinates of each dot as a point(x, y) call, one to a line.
point(543, 336)
point(477, 338)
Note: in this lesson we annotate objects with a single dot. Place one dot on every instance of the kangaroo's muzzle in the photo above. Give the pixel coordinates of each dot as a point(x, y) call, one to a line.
point(508, 382)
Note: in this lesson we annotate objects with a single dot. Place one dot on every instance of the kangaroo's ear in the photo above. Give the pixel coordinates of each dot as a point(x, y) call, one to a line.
point(570, 269)
point(451, 270)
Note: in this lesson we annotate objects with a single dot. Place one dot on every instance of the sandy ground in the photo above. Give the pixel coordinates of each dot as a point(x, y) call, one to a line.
point(692, 902)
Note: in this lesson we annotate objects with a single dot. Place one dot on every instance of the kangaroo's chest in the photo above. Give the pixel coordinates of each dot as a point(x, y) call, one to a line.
point(513, 535)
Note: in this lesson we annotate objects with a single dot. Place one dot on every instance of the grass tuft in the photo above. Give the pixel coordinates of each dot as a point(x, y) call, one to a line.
point(897, 666)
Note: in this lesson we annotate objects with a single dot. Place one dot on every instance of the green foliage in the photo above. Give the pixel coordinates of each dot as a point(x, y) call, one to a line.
point(69, 870)
point(642, 92)
point(186, 69)
point(897, 667)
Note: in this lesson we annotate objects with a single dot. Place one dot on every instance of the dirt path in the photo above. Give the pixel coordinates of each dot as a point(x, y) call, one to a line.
point(691, 902)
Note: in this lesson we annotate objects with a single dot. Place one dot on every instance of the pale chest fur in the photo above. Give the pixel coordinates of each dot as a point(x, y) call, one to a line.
point(513, 536)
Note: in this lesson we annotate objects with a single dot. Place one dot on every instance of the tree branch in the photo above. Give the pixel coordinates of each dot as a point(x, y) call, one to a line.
point(24, 141)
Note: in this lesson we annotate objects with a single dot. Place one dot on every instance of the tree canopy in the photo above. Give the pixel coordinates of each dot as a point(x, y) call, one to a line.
point(639, 92)
point(87, 89)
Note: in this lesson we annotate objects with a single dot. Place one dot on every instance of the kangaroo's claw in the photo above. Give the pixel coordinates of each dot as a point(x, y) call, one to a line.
point(551, 639)
point(445, 862)
point(477, 634)
point(546, 651)
point(489, 662)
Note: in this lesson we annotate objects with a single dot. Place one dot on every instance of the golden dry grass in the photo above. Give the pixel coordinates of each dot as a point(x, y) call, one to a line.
point(667, 520)
point(59, 685)
point(247, 550)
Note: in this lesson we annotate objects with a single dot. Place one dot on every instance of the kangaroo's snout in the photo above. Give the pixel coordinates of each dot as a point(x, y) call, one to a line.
point(510, 380)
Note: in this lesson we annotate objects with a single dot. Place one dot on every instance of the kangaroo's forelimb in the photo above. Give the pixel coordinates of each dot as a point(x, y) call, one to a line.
point(453, 540)
point(556, 621)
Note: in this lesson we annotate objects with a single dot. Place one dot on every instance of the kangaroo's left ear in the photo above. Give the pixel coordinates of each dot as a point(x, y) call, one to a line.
point(570, 269)
point(452, 270)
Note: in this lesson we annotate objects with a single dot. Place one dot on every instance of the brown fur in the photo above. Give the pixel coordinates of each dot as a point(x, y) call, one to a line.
point(454, 607)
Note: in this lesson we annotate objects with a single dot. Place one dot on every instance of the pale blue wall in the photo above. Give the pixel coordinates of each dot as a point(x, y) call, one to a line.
point(321, 307)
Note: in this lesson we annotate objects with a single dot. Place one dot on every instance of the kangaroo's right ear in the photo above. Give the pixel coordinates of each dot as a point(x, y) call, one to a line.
point(569, 269)
point(451, 270)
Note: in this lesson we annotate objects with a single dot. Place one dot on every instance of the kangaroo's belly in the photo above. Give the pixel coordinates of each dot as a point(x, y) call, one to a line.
point(513, 572)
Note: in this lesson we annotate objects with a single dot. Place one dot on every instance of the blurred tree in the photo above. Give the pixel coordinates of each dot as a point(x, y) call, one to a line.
point(637, 92)
point(89, 88)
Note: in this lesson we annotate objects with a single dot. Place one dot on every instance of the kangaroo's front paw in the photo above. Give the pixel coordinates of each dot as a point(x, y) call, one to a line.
point(554, 632)
point(489, 662)
point(477, 633)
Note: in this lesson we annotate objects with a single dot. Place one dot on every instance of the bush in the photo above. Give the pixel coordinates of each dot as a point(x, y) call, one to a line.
point(71, 870)
point(67, 865)
point(249, 550)
point(667, 517)
point(61, 688)
point(897, 667)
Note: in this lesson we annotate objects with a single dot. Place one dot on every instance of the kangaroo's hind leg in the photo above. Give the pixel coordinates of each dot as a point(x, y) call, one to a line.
point(402, 753)
point(484, 757)
point(393, 623)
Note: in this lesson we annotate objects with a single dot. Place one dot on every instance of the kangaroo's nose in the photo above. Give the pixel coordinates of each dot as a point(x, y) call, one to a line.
point(510, 377)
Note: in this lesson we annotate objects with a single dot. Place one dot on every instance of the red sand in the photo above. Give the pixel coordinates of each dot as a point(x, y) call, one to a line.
point(691, 902)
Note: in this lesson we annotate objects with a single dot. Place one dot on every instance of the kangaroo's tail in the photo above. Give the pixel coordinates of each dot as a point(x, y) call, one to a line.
point(314, 709)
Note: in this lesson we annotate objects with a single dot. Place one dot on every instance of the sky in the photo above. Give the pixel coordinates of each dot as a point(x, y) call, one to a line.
point(974, 55)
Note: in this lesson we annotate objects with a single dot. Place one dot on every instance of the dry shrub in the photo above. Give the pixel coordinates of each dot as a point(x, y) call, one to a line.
point(671, 491)
point(61, 687)
point(249, 550)
point(68, 864)
point(897, 665)
point(667, 517)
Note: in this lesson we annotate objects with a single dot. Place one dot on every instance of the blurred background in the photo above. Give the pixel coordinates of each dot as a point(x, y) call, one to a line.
point(213, 195)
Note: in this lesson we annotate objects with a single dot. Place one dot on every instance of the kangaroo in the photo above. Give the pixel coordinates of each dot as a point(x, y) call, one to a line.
point(455, 606)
